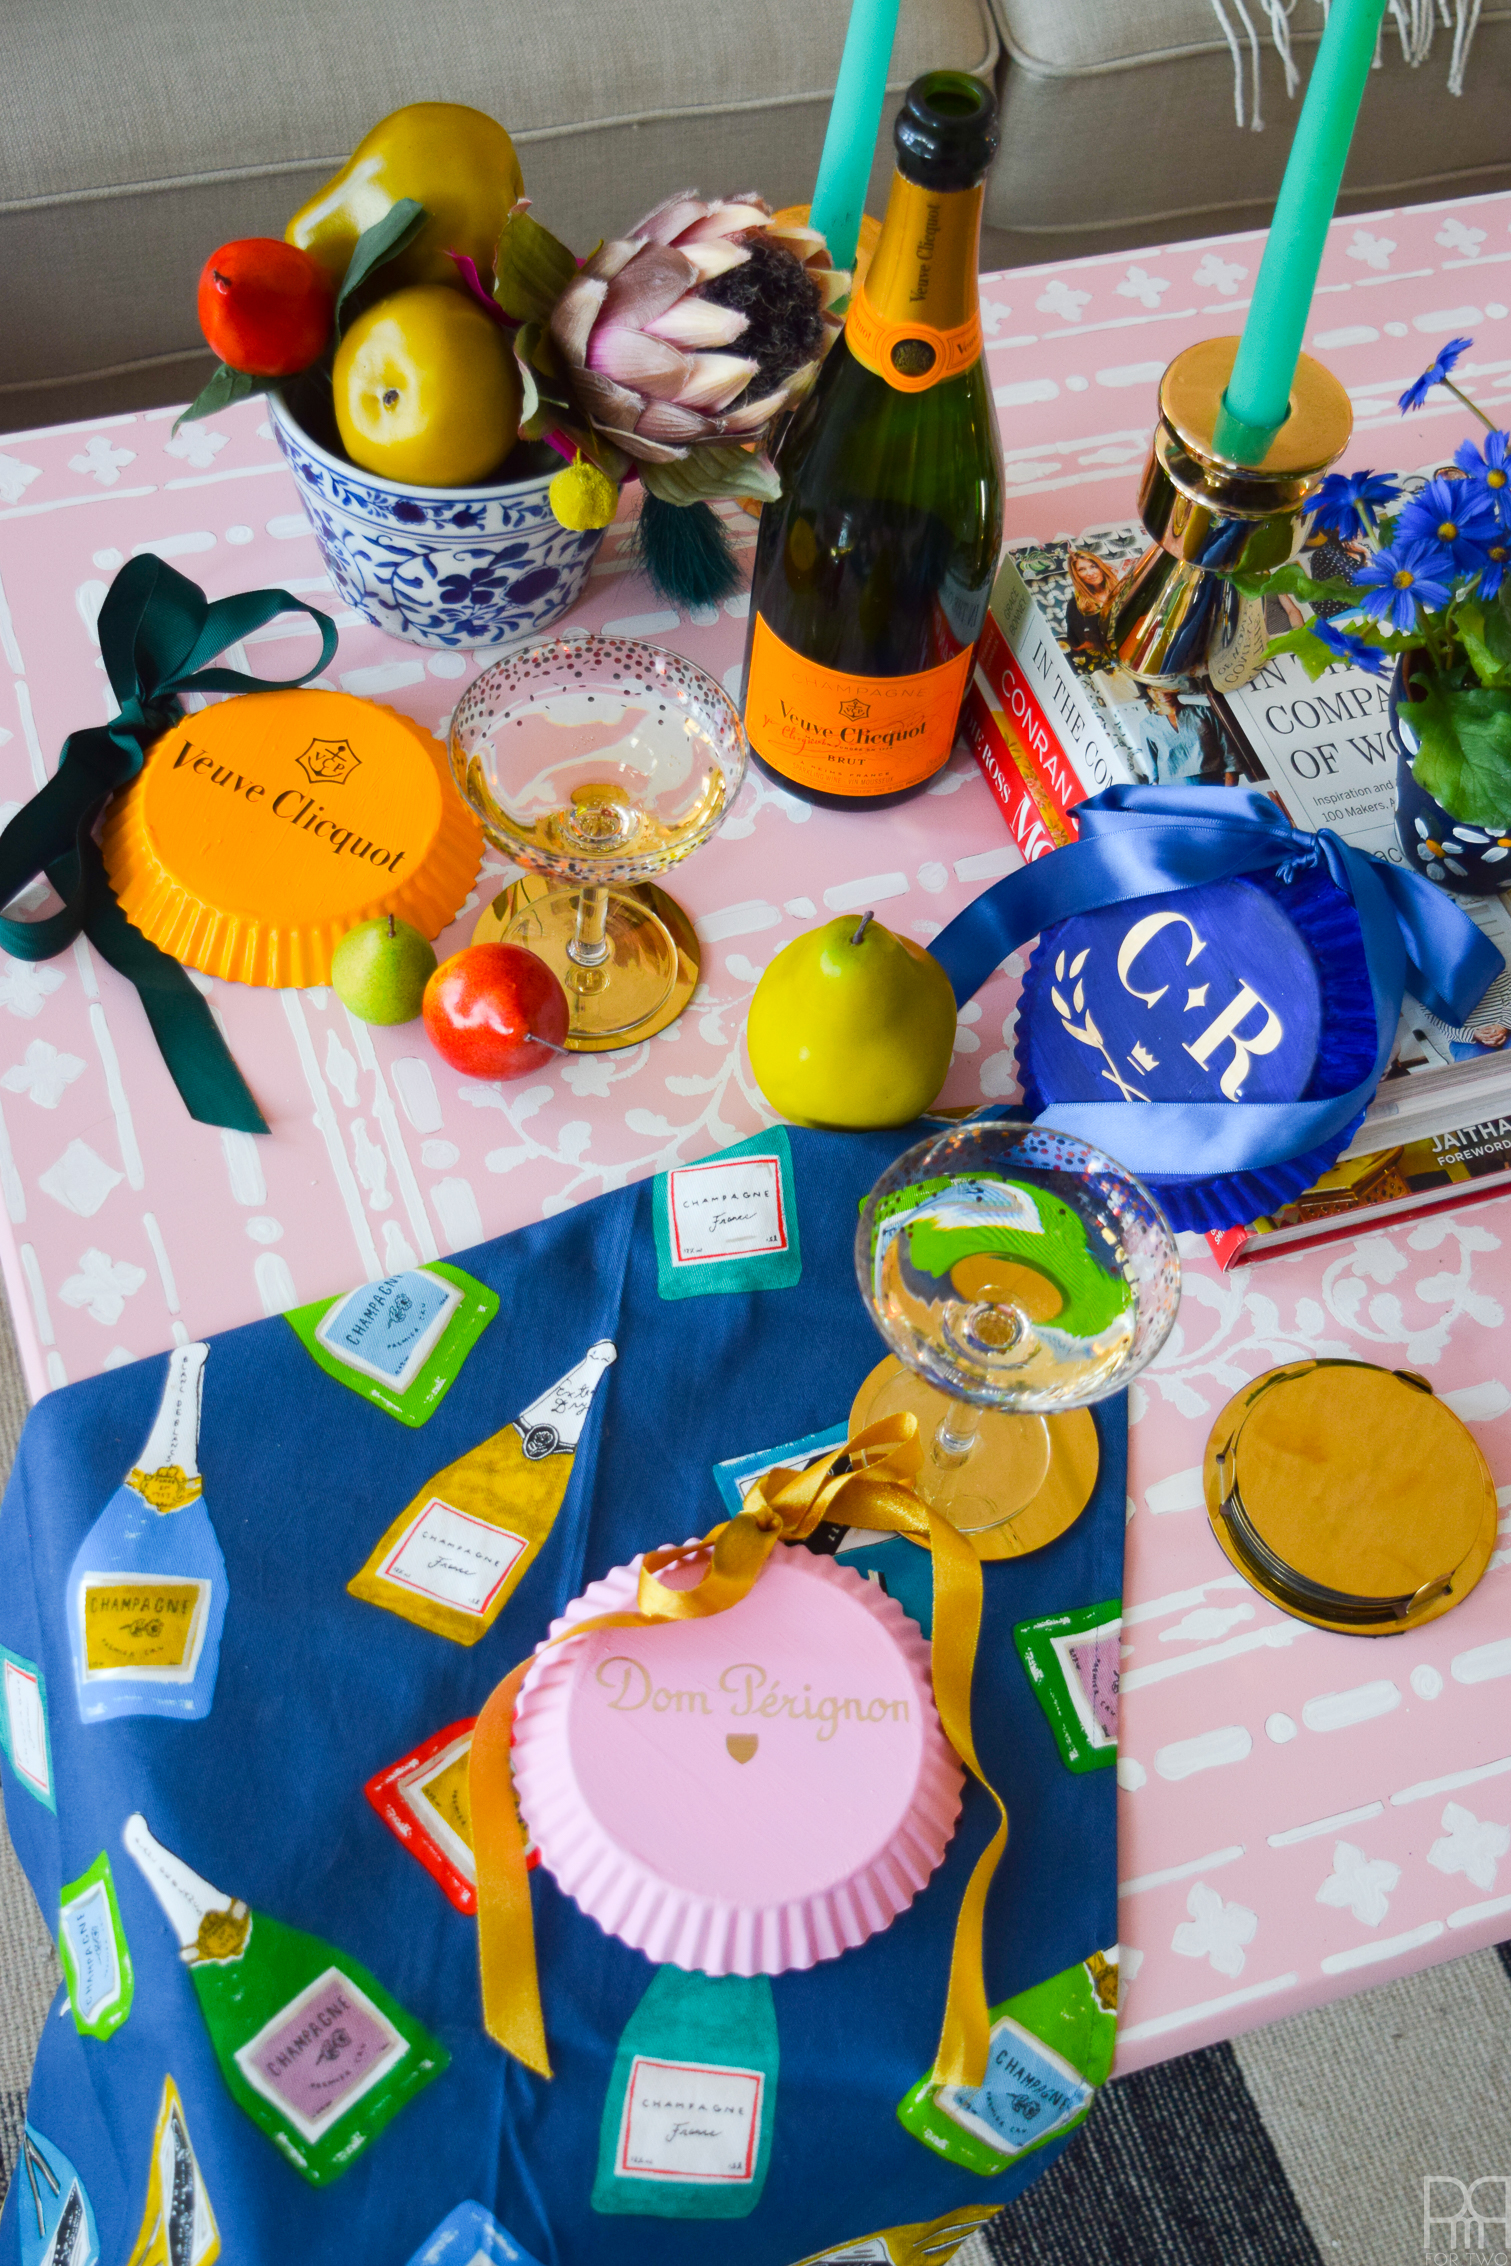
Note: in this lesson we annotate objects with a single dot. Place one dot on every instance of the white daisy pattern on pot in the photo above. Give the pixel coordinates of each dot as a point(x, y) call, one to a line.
point(1433, 854)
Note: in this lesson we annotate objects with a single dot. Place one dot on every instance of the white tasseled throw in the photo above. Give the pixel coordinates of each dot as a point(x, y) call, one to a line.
point(1416, 21)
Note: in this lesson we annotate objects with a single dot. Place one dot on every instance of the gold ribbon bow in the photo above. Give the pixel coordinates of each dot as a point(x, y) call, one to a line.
point(866, 1483)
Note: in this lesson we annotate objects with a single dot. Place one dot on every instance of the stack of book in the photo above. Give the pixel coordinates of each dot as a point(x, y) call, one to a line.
point(1051, 724)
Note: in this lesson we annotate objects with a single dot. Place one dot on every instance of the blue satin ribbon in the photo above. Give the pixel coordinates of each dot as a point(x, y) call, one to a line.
point(1146, 841)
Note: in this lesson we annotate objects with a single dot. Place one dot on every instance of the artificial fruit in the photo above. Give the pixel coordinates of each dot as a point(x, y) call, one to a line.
point(851, 1026)
point(455, 161)
point(380, 969)
point(426, 389)
point(702, 323)
point(265, 307)
point(488, 1010)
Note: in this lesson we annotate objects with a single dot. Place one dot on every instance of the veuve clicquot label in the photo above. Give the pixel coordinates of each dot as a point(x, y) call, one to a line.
point(848, 734)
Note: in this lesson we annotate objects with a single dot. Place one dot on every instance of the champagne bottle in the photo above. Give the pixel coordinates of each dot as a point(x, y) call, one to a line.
point(687, 2119)
point(147, 1589)
point(470, 2235)
point(178, 2224)
point(93, 1951)
point(457, 1552)
point(310, 2044)
point(57, 2223)
point(1051, 2047)
point(874, 566)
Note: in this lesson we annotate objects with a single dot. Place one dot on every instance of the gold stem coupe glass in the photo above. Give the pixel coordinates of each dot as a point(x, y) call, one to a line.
point(595, 763)
point(1018, 1275)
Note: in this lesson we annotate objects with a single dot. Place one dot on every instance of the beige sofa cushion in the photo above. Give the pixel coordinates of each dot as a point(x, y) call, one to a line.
point(1050, 37)
point(134, 140)
point(1059, 36)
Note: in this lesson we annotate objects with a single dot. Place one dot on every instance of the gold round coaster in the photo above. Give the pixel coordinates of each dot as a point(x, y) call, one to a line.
point(1350, 1496)
point(1046, 1465)
point(533, 911)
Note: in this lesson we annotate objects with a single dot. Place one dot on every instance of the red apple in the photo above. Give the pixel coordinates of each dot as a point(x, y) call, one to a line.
point(487, 1010)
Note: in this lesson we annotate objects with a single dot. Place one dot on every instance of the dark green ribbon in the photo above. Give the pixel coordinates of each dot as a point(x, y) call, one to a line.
point(158, 632)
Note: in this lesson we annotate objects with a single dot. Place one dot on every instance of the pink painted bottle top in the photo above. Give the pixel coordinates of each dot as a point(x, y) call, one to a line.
point(743, 1793)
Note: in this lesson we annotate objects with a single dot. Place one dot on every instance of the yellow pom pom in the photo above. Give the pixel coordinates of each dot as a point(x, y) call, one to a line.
point(582, 496)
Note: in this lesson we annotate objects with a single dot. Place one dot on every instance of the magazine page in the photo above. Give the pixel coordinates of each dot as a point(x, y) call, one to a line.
point(1172, 736)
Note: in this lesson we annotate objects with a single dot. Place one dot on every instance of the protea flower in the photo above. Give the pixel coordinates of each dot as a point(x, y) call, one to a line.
point(700, 325)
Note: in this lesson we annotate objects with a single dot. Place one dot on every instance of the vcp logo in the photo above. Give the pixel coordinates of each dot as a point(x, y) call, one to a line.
point(1467, 2218)
point(1208, 996)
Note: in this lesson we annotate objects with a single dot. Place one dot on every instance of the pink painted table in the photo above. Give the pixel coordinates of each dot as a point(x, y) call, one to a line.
point(1301, 1813)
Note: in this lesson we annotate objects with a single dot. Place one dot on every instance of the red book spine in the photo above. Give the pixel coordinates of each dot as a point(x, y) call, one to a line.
point(1005, 776)
point(1008, 689)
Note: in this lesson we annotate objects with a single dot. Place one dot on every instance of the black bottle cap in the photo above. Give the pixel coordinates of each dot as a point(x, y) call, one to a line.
point(946, 131)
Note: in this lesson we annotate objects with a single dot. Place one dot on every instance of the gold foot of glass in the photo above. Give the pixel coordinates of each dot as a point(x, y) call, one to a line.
point(647, 976)
point(1026, 1479)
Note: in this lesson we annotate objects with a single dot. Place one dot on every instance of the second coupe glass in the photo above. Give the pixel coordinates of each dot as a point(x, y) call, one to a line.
point(1018, 1274)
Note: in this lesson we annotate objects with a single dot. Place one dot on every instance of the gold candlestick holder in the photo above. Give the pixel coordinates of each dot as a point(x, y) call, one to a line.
point(1172, 616)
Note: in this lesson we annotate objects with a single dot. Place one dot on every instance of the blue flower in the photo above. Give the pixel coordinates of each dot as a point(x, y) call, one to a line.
point(1489, 469)
point(1351, 649)
point(1399, 580)
point(1454, 513)
point(1347, 503)
point(1416, 393)
point(1493, 572)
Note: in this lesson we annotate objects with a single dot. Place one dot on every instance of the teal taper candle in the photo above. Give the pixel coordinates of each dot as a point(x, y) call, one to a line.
point(1259, 391)
point(839, 196)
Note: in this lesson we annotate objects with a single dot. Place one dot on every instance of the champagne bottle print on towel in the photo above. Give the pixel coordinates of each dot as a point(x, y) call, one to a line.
point(399, 1343)
point(459, 1549)
point(147, 1590)
point(1051, 2047)
point(178, 2226)
point(425, 1799)
point(92, 1948)
point(687, 2120)
point(310, 2044)
point(56, 2221)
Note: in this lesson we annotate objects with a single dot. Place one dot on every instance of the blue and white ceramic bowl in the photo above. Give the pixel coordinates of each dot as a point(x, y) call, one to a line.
point(464, 567)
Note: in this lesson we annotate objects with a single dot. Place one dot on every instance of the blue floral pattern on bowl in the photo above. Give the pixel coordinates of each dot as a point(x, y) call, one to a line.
point(1468, 859)
point(463, 567)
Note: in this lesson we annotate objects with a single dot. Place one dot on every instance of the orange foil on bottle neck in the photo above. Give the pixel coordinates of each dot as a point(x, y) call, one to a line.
point(915, 319)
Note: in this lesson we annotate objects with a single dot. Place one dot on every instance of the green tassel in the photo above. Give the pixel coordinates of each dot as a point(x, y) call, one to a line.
point(685, 551)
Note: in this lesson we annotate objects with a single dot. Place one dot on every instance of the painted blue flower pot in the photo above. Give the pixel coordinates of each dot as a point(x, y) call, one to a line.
point(1474, 861)
point(449, 567)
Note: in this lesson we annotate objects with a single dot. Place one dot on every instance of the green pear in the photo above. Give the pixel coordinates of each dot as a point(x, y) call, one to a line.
point(380, 970)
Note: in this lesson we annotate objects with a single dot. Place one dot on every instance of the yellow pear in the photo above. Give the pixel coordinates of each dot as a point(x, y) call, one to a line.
point(851, 1026)
point(457, 162)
